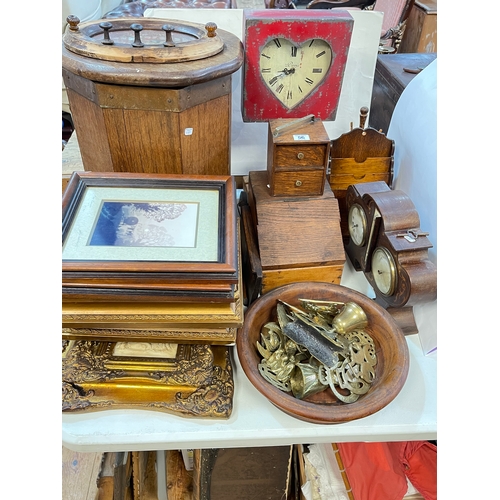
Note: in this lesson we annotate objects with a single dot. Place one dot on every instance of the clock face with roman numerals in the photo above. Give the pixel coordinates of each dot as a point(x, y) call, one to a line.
point(292, 71)
point(294, 62)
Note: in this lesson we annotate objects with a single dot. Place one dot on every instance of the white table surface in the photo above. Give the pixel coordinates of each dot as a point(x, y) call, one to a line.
point(257, 422)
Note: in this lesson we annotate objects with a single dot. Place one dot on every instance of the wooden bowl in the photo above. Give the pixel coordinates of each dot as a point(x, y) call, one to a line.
point(324, 408)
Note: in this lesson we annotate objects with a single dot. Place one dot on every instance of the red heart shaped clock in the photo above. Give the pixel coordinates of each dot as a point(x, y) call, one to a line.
point(294, 63)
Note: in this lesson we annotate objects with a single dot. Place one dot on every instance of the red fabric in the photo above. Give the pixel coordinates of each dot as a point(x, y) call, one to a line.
point(378, 471)
point(419, 459)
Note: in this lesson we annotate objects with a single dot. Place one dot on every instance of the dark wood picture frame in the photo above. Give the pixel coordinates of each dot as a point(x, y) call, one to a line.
point(223, 268)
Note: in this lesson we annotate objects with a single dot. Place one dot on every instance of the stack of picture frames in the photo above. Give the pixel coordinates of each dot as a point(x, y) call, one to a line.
point(151, 292)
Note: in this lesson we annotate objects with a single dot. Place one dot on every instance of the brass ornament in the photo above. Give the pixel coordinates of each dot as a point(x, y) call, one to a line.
point(322, 346)
point(307, 380)
point(280, 355)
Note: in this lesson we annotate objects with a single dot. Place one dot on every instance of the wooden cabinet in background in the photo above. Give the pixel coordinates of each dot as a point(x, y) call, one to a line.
point(390, 81)
point(421, 28)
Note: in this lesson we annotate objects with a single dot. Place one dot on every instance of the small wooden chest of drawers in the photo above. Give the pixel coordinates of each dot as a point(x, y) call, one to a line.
point(297, 159)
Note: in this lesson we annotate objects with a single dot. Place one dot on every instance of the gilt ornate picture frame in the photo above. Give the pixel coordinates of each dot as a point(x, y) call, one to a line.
point(172, 378)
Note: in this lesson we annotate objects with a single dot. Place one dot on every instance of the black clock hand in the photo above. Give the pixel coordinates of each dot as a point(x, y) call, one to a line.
point(281, 74)
point(285, 72)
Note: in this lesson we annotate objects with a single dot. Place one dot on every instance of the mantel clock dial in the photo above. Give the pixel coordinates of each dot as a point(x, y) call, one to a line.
point(294, 63)
point(357, 224)
point(384, 271)
point(362, 225)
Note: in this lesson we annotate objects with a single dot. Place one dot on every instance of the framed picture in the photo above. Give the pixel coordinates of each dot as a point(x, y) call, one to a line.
point(148, 315)
point(214, 292)
point(187, 380)
point(128, 225)
point(208, 335)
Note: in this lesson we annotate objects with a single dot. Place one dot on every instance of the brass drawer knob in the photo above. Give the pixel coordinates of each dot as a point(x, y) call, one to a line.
point(73, 22)
point(300, 156)
point(298, 183)
point(211, 28)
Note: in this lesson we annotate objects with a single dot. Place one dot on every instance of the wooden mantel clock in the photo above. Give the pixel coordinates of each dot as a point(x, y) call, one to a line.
point(152, 97)
point(294, 63)
point(387, 244)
